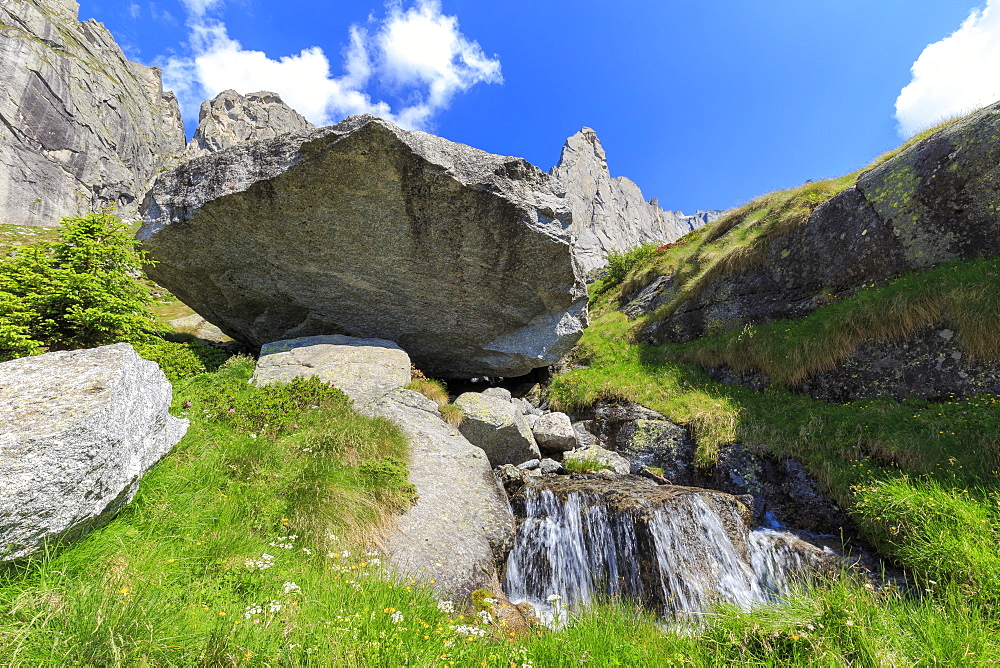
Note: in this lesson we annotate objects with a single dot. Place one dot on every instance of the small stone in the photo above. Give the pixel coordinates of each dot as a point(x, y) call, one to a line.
point(530, 464)
point(554, 433)
point(498, 392)
point(549, 466)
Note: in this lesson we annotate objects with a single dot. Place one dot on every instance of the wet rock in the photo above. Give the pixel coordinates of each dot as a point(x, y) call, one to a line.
point(459, 256)
point(365, 369)
point(678, 550)
point(554, 433)
point(78, 430)
point(496, 426)
point(596, 458)
point(550, 466)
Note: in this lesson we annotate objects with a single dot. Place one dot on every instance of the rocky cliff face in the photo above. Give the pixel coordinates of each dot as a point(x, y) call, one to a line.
point(611, 213)
point(81, 127)
point(231, 118)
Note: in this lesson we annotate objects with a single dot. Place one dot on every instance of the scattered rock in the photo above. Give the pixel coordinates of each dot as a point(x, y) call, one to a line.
point(498, 392)
point(78, 430)
point(200, 327)
point(365, 369)
point(554, 433)
point(550, 466)
point(498, 428)
point(473, 273)
point(530, 464)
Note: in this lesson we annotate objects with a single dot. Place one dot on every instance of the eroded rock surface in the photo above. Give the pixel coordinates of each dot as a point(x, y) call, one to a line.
point(611, 214)
point(461, 257)
point(81, 127)
point(461, 524)
point(230, 118)
point(78, 429)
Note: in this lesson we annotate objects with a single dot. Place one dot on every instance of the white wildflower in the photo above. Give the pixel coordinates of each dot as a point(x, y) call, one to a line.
point(251, 611)
point(307, 550)
point(291, 587)
point(265, 561)
point(447, 607)
point(485, 616)
point(397, 617)
point(465, 630)
point(552, 598)
point(274, 606)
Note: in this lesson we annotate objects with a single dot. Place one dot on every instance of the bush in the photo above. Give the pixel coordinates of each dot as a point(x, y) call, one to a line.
point(78, 292)
point(181, 360)
point(620, 263)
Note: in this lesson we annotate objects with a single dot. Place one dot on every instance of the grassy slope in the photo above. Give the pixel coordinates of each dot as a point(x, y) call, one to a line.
point(736, 241)
point(921, 479)
point(172, 581)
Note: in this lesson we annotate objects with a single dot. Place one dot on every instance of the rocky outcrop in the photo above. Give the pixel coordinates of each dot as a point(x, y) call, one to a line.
point(498, 427)
point(78, 429)
point(459, 256)
point(231, 118)
point(364, 369)
point(934, 202)
point(610, 214)
point(81, 127)
point(460, 526)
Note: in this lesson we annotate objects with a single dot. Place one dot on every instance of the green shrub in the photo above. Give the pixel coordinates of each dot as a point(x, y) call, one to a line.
point(620, 263)
point(78, 292)
point(181, 360)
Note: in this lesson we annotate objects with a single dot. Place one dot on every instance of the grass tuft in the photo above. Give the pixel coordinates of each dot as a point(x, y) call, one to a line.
point(451, 414)
point(432, 389)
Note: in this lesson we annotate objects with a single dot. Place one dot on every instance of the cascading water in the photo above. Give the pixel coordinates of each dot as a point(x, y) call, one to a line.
point(677, 550)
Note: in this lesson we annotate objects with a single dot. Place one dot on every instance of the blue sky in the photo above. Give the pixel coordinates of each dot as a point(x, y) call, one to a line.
point(704, 104)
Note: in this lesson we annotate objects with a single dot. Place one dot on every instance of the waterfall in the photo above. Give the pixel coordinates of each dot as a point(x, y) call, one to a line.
point(678, 551)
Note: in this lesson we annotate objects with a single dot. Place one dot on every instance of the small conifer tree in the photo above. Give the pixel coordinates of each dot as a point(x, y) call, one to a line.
point(78, 292)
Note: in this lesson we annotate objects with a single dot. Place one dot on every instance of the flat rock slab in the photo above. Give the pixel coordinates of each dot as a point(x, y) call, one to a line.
point(461, 257)
point(78, 429)
point(365, 369)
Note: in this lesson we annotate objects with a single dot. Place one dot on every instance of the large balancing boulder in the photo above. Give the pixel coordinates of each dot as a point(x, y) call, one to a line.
point(78, 429)
point(461, 257)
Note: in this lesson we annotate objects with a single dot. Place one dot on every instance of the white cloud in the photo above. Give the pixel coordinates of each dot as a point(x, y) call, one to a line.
point(418, 53)
point(133, 10)
point(198, 8)
point(956, 75)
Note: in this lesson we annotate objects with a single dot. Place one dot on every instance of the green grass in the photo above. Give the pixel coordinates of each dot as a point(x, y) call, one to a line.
point(963, 296)
point(176, 580)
